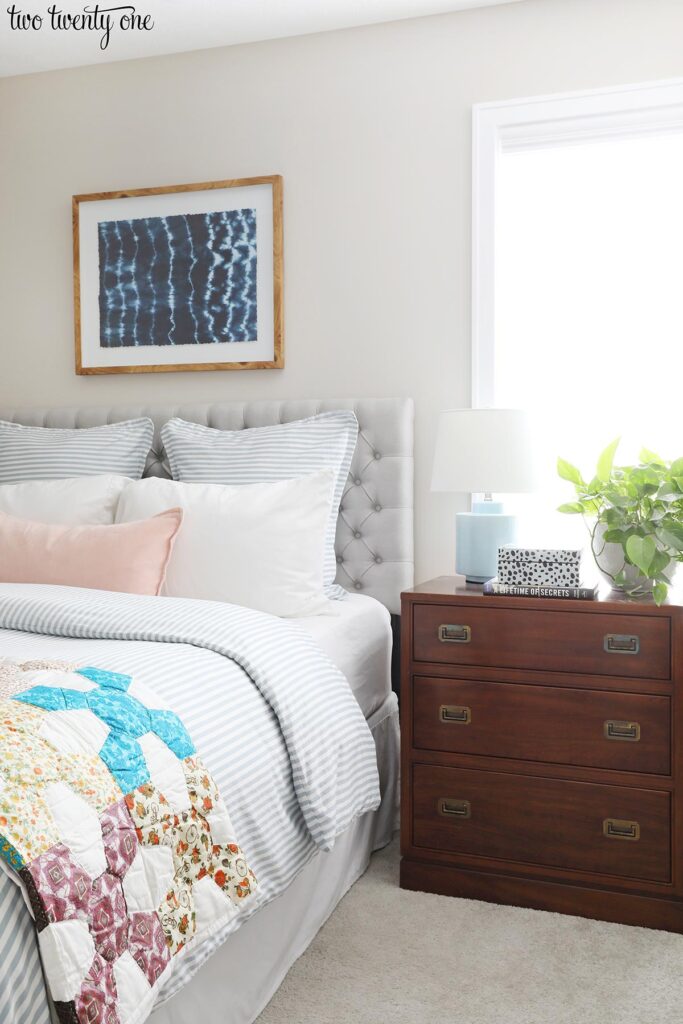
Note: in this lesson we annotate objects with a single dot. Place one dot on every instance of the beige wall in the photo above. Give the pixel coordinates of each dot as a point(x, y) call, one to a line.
point(371, 130)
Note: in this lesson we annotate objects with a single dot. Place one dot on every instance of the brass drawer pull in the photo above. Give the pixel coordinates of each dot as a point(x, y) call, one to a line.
point(622, 730)
point(618, 643)
point(454, 808)
point(617, 828)
point(455, 714)
point(455, 634)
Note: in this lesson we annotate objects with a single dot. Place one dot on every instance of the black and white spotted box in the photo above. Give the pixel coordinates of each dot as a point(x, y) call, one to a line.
point(539, 567)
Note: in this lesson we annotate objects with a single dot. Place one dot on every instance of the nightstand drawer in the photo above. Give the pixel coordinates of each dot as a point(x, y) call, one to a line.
point(578, 826)
point(595, 728)
point(557, 641)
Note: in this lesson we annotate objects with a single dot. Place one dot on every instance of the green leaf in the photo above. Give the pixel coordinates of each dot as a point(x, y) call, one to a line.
point(620, 500)
point(569, 472)
point(605, 461)
point(650, 457)
point(676, 468)
point(571, 508)
point(672, 537)
point(667, 494)
point(659, 564)
point(613, 517)
point(643, 482)
point(659, 592)
point(641, 551)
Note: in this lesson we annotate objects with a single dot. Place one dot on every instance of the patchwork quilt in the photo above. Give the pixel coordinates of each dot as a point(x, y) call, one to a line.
point(118, 832)
point(121, 841)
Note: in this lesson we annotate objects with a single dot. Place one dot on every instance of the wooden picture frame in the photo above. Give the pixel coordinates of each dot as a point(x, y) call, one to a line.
point(117, 294)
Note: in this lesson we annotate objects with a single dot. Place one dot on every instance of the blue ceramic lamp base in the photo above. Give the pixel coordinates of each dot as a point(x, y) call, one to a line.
point(478, 535)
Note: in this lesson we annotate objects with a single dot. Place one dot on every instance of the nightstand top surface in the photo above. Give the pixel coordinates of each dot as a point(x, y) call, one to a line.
point(455, 586)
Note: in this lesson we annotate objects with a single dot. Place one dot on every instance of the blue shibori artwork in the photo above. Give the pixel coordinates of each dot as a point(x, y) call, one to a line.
point(186, 279)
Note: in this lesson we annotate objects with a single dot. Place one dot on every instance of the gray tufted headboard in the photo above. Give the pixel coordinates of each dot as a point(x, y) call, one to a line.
point(375, 528)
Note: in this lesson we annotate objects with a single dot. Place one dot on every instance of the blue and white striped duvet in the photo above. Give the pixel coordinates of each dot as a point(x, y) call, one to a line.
point(252, 690)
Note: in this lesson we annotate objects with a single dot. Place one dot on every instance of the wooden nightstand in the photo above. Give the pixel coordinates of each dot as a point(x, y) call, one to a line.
point(541, 752)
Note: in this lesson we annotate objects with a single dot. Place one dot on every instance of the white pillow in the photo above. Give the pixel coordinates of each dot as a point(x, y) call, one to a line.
point(208, 455)
point(257, 545)
point(87, 500)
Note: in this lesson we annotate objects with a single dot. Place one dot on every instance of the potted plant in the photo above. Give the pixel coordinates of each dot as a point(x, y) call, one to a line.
point(635, 519)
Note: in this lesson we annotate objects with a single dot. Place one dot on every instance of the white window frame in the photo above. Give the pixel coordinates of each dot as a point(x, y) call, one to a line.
point(543, 121)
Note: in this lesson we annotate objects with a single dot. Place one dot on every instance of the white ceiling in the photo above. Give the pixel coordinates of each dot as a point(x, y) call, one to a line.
point(181, 25)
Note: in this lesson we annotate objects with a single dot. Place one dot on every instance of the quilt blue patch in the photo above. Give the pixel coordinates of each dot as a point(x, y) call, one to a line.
point(10, 854)
point(127, 718)
point(101, 676)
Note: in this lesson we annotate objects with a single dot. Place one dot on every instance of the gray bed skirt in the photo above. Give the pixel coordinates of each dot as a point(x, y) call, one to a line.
point(234, 986)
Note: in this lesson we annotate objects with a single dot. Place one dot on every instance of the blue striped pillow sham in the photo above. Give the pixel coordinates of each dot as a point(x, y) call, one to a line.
point(198, 454)
point(57, 453)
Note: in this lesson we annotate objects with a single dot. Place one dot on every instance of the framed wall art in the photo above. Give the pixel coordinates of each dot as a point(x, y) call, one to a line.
point(185, 277)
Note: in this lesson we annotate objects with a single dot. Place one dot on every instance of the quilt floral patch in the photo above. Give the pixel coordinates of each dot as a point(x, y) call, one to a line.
point(118, 832)
point(202, 847)
point(31, 767)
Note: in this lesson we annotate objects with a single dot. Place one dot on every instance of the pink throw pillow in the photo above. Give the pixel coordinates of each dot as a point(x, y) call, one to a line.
point(128, 557)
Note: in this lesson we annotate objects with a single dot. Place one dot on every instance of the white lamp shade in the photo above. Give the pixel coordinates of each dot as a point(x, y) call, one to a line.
point(484, 450)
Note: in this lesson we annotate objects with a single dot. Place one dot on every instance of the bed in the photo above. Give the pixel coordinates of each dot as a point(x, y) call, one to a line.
point(374, 561)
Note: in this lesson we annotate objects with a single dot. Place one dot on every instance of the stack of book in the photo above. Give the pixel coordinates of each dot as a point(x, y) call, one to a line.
point(540, 572)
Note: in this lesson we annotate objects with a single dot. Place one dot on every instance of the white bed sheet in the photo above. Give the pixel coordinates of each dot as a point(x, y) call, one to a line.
point(356, 635)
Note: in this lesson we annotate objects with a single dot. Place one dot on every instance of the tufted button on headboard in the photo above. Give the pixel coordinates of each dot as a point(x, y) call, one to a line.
point(374, 545)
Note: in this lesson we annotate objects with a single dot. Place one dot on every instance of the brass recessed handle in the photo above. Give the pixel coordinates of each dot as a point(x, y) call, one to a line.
point(629, 731)
point(455, 714)
point(620, 643)
point(617, 828)
point(451, 634)
point(450, 808)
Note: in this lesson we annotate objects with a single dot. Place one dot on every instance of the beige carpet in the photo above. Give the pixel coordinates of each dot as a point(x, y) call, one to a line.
point(410, 958)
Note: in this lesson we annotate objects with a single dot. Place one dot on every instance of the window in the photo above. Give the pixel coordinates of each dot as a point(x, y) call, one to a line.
point(578, 268)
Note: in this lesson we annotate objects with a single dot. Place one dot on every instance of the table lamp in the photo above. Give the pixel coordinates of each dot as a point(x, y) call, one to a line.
point(480, 451)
